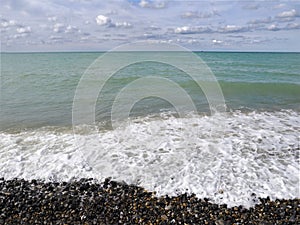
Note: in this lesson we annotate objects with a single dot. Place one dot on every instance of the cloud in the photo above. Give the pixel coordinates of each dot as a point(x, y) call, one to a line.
point(251, 7)
point(152, 4)
point(289, 26)
point(71, 29)
point(292, 26)
point(144, 4)
point(279, 6)
point(153, 28)
point(285, 14)
point(53, 37)
point(24, 30)
point(62, 28)
point(232, 29)
point(56, 39)
point(150, 35)
point(281, 17)
point(123, 24)
point(196, 14)
point(8, 23)
point(52, 19)
point(58, 28)
point(191, 30)
point(17, 36)
point(103, 20)
point(273, 27)
point(217, 42)
point(106, 21)
point(204, 29)
point(261, 21)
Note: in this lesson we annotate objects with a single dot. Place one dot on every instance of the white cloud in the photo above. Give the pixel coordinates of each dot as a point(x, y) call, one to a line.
point(123, 24)
point(103, 20)
point(291, 13)
point(24, 30)
point(17, 36)
point(58, 28)
point(273, 27)
point(191, 30)
point(71, 29)
point(279, 6)
point(231, 29)
point(190, 41)
point(214, 41)
point(149, 35)
point(152, 4)
point(144, 4)
point(112, 12)
point(203, 29)
point(8, 23)
point(53, 37)
point(52, 19)
point(260, 21)
point(293, 26)
point(189, 15)
point(153, 28)
point(84, 38)
point(202, 15)
point(251, 6)
point(160, 41)
point(183, 30)
point(63, 28)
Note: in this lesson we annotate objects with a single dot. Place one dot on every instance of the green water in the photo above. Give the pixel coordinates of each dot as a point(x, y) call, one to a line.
point(37, 89)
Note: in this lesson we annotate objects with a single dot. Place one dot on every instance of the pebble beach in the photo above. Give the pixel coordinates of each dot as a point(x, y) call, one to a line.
point(87, 201)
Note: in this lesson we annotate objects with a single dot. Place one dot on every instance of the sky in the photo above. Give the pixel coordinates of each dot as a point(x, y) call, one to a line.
point(203, 25)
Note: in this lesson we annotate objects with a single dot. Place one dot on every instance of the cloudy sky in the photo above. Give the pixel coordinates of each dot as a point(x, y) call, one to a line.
point(85, 25)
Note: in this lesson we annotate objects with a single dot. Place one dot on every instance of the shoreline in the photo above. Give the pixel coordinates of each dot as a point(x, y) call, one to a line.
point(85, 201)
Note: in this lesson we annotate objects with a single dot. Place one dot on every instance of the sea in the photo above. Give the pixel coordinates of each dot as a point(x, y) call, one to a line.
point(230, 132)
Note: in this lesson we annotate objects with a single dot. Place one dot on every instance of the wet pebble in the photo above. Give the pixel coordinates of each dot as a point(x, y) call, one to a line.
point(87, 201)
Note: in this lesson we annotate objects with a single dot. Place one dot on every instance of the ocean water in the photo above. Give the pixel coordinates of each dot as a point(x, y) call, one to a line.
point(253, 147)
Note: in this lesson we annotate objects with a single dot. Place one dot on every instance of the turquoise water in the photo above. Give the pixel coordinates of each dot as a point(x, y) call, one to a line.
point(37, 89)
point(251, 148)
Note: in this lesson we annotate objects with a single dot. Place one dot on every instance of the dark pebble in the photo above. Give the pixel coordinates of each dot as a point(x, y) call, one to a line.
point(85, 201)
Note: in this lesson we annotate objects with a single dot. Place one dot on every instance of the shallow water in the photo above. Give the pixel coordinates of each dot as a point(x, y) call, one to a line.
point(252, 148)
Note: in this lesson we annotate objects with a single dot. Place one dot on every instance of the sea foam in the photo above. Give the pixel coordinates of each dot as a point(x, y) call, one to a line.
point(224, 157)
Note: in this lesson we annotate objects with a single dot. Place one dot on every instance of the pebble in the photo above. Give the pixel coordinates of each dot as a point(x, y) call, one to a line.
point(86, 201)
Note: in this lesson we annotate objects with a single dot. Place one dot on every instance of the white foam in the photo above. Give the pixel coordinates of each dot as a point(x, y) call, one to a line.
point(223, 157)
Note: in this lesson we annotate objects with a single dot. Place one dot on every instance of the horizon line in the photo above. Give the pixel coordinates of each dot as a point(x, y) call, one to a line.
point(106, 51)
